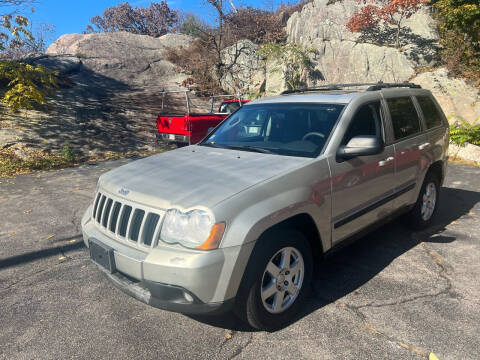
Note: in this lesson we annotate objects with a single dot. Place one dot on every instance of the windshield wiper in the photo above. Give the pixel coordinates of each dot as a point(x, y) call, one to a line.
point(212, 144)
point(249, 148)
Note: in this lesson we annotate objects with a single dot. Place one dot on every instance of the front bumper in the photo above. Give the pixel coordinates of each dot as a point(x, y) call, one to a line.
point(174, 138)
point(166, 297)
point(170, 277)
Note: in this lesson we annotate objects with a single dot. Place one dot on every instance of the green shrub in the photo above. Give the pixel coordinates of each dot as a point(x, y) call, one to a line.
point(26, 85)
point(292, 60)
point(68, 154)
point(462, 132)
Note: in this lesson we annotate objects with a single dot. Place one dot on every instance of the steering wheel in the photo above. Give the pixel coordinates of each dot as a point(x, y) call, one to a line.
point(313, 134)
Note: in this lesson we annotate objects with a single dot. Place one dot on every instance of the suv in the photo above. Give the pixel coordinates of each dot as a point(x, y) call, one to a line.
point(236, 221)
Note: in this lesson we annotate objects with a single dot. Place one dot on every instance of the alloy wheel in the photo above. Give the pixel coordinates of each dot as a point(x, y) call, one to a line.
point(282, 280)
point(429, 201)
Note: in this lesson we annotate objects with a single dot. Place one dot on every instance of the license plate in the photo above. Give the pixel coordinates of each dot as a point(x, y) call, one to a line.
point(102, 255)
point(171, 137)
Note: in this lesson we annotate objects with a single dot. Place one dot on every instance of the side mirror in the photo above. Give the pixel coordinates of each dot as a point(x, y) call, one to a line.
point(363, 145)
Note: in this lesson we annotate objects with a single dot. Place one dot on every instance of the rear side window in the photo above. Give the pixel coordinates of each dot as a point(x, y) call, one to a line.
point(430, 111)
point(365, 122)
point(404, 116)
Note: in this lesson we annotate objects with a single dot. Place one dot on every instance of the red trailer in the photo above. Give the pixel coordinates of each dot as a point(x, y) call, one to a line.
point(190, 128)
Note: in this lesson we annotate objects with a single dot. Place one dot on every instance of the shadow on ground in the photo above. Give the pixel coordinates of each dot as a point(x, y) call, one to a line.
point(96, 114)
point(348, 269)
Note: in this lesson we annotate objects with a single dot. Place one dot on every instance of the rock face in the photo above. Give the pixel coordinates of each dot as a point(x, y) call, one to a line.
point(245, 69)
point(458, 99)
point(352, 57)
point(132, 59)
point(109, 97)
point(65, 64)
point(247, 73)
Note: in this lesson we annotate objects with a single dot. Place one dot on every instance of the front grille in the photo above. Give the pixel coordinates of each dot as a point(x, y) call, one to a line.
point(125, 221)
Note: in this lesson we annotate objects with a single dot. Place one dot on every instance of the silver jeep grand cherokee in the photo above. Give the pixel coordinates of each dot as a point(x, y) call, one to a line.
point(236, 221)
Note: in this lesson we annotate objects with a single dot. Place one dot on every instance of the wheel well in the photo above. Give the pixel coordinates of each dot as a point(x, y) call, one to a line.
point(437, 169)
point(304, 224)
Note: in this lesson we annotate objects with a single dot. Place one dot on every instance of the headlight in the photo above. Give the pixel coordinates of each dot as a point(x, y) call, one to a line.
point(194, 229)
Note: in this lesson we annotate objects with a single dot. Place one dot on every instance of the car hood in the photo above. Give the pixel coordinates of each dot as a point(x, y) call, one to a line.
point(193, 176)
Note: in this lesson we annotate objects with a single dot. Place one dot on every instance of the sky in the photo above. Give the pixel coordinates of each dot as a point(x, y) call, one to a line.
point(73, 16)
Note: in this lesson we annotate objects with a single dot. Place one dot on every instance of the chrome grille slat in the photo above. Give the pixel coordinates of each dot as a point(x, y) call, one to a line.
point(114, 217)
point(149, 229)
point(128, 222)
point(106, 212)
point(100, 208)
point(136, 224)
point(95, 205)
point(156, 233)
point(117, 229)
point(125, 221)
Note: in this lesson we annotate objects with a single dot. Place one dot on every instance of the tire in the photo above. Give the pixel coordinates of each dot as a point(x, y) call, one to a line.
point(425, 209)
point(269, 313)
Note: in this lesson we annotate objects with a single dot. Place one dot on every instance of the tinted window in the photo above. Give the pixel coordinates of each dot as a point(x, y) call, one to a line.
point(229, 107)
point(404, 117)
point(365, 122)
point(294, 129)
point(430, 112)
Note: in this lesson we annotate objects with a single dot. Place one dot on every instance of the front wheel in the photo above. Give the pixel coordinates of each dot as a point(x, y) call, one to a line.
point(276, 281)
point(424, 210)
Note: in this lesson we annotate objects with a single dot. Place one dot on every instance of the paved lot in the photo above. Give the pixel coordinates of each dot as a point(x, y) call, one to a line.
point(394, 294)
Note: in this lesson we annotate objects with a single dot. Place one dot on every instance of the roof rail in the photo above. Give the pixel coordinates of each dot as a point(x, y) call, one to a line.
point(371, 87)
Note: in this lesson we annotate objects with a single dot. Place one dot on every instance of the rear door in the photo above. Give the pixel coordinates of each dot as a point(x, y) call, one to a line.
point(410, 145)
point(362, 186)
point(436, 125)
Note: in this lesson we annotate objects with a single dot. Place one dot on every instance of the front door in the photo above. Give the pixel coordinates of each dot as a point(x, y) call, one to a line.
point(362, 186)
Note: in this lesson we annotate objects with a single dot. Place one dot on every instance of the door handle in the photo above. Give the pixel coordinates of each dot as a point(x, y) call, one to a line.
point(386, 161)
point(423, 146)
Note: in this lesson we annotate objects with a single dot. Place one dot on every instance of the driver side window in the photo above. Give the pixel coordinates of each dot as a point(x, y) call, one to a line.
point(367, 121)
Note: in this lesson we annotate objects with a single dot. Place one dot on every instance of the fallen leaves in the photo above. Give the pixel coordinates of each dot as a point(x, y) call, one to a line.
point(49, 237)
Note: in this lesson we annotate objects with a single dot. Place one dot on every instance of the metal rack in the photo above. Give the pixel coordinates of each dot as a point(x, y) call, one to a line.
point(371, 87)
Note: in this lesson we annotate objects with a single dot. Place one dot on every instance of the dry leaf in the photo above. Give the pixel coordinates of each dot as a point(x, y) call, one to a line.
point(62, 258)
point(49, 237)
point(228, 336)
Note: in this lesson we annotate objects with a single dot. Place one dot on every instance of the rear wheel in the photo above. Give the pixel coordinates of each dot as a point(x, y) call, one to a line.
point(276, 280)
point(422, 214)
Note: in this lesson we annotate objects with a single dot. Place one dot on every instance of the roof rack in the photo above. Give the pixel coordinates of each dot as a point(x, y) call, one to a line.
point(371, 87)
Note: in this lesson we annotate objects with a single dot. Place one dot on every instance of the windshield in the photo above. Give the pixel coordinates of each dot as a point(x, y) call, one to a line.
point(294, 129)
point(229, 107)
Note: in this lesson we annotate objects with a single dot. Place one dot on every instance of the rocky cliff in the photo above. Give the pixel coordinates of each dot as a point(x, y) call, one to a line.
point(346, 57)
point(135, 60)
point(354, 57)
point(109, 97)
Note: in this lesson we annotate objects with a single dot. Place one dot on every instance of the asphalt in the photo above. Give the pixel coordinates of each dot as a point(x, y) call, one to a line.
point(393, 294)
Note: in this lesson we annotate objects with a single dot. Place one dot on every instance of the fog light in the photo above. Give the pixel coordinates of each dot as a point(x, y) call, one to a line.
point(188, 297)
